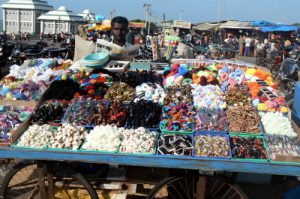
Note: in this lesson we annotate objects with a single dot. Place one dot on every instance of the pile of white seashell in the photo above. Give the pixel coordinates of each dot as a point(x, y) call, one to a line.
point(139, 140)
point(276, 123)
point(103, 138)
point(36, 136)
point(68, 136)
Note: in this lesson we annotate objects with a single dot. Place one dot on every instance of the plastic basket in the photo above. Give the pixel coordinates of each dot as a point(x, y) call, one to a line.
point(251, 159)
point(27, 147)
point(97, 151)
point(211, 133)
point(165, 131)
point(249, 133)
point(145, 154)
point(188, 135)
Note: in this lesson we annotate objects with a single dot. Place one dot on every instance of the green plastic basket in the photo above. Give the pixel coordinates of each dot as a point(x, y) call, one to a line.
point(97, 151)
point(164, 131)
point(250, 159)
point(248, 133)
point(27, 147)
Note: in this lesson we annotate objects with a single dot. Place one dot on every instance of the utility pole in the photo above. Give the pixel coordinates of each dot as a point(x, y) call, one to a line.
point(112, 13)
point(181, 11)
point(147, 6)
point(219, 12)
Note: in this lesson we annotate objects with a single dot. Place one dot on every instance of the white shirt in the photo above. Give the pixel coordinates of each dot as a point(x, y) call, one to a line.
point(248, 42)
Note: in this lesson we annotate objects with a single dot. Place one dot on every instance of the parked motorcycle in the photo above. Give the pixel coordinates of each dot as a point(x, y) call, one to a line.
point(6, 49)
point(287, 76)
point(23, 51)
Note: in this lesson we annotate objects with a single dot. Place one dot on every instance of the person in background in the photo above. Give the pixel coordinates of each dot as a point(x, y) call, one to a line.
point(41, 36)
point(247, 46)
point(130, 37)
point(241, 45)
point(28, 36)
point(256, 42)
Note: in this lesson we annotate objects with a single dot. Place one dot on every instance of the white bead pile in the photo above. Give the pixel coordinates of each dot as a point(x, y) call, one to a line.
point(68, 136)
point(276, 123)
point(151, 92)
point(103, 138)
point(138, 140)
point(36, 136)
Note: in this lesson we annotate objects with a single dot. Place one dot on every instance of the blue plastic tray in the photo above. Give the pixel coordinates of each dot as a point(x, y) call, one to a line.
point(212, 133)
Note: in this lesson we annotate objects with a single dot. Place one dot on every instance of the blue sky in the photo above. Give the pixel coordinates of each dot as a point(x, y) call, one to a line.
point(284, 11)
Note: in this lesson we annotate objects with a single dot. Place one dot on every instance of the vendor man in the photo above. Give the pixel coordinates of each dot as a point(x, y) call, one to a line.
point(119, 30)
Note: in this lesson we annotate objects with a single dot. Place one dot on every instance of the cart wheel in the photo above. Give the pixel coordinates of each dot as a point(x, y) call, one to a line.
point(22, 182)
point(186, 188)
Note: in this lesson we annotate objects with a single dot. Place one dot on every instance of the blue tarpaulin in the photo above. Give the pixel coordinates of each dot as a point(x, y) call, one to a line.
point(261, 23)
point(279, 28)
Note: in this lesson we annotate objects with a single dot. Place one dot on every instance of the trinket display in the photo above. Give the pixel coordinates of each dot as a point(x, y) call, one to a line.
point(120, 91)
point(209, 97)
point(177, 74)
point(203, 74)
point(139, 141)
point(50, 112)
point(36, 136)
point(138, 77)
point(243, 119)
point(277, 124)
point(282, 147)
point(95, 85)
point(83, 112)
point(178, 95)
point(103, 138)
point(67, 136)
point(230, 76)
point(248, 147)
point(211, 146)
point(61, 90)
point(178, 112)
point(237, 97)
point(151, 92)
point(211, 120)
point(193, 103)
point(21, 90)
point(144, 114)
point(10, 118)
point(175, 145)
point(91, 112)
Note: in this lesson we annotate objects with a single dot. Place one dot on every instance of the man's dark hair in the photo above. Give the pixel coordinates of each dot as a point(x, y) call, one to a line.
point(120, 20)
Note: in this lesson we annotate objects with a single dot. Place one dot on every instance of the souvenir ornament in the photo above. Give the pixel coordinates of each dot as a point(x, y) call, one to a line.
point(103, 138)
point(211, 146)
point(175, 145)
point(36, 136)
point(140, 141)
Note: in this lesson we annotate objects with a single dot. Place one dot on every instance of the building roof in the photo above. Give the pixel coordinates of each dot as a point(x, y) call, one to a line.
point(87, 14)
point(61, 14)
point(237, 25)
point(27, 4)
point(205, 27)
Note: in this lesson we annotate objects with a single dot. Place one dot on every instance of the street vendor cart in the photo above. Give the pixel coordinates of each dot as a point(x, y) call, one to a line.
point(181, 133)
point(182, 174)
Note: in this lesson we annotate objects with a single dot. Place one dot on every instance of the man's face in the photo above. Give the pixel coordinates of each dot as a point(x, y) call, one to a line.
point(119, 31)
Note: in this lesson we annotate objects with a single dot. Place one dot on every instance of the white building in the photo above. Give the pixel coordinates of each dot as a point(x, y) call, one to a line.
point(61, 20)
point(21, 15)
point(87, 15)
